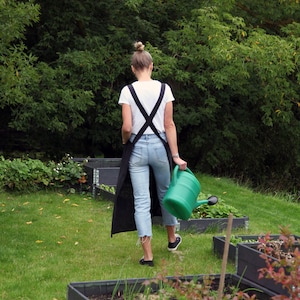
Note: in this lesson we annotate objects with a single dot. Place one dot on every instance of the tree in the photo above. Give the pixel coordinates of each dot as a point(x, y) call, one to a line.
point(16, 66)
point(34, 96)
point(239, 112)
point(88, 44)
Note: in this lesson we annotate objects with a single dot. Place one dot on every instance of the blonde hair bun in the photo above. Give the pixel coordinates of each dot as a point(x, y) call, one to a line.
point(141, 59)
point(139, 46)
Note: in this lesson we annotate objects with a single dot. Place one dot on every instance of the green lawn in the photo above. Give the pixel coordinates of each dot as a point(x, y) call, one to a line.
point(50, 239)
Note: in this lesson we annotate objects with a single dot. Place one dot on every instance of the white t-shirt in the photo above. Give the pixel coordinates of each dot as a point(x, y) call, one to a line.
point(148, 94)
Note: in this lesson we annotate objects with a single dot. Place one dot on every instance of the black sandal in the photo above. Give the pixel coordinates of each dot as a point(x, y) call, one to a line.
point(149, 263)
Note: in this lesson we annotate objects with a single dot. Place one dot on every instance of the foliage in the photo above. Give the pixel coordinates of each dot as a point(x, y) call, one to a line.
point(16, 65)
point(246, 95)
point(107, 188)
point(219, 210)
point(67, 172)
point(273, 16)
point(285, 269)
point(54, 107)
point(87, 49)
point(23, 174)
point(26, 174)
point(233, 68)
point(235, 239)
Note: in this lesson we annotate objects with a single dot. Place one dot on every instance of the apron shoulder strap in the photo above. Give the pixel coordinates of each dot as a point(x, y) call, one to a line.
point(147, 117)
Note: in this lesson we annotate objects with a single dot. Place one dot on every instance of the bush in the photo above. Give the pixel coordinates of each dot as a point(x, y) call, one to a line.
point(67, 172)
point(26, 174)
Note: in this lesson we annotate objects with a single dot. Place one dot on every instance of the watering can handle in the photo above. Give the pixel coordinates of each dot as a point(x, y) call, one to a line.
point(175, 172)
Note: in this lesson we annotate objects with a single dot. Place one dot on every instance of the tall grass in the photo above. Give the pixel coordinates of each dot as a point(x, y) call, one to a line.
point(50, 239)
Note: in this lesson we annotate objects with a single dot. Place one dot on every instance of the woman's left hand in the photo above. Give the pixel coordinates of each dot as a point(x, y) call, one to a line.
point(180, 162)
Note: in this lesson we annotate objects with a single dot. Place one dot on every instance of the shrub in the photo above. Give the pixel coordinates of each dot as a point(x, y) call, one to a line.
point(26, 174)
point(67, 173)
point(23, 174)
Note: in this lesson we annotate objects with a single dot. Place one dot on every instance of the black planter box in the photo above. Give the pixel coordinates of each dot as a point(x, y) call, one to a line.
point(212, 225)
point(101, 171)
point(107, 195)
point(219, 243)
point(248, 264)
point(86, 290)
point(218, 248)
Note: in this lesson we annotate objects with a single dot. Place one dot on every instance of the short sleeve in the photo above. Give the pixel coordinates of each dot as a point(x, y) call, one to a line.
point(168, 94)
point(124, 96)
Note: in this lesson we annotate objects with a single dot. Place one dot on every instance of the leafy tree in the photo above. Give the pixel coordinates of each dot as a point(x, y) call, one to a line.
point(90, 44)
point(271, 16)
point(35, 96)
point(16, 66)
point(238, 88)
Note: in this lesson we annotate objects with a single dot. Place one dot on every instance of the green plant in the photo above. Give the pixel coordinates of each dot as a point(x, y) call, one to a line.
point(234, 239)
point(107, 188)
point(67, 172)
point(285, 270)
point(23, 174)
point(26, 174)
point(219, 210)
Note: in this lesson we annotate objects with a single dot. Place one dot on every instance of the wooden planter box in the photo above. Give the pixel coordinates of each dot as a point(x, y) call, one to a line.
point(87, 290)
point(212, 225)
point(219, 243)
point(248, 264)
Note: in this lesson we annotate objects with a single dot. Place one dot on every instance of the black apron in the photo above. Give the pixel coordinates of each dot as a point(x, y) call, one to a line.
point(123, 213)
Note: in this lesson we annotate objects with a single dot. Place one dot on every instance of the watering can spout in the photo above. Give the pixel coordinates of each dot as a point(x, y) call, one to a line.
point(212, 200)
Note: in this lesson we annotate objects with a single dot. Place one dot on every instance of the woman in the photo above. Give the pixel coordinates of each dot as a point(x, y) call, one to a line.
point(149, 151)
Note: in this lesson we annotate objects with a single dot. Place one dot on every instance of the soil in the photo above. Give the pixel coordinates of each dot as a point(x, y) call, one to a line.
point(277, 250)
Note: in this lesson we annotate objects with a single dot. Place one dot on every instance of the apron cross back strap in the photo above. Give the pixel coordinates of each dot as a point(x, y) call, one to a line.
point(150, 117)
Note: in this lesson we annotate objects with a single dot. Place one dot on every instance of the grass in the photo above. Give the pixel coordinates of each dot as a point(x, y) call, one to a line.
point(50, 239)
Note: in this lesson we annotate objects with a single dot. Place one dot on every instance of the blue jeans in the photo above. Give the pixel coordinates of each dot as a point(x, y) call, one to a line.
point(149, 151)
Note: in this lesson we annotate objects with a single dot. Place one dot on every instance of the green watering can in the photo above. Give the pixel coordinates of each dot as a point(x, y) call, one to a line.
point(181, 198)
